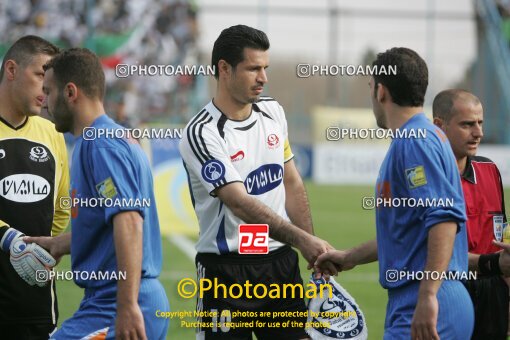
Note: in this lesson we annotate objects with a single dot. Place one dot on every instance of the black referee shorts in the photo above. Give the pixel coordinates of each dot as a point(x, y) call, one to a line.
point(237, 316)
point(490, 299)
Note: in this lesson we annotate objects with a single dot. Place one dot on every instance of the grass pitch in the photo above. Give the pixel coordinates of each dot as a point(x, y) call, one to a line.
point(338, 217)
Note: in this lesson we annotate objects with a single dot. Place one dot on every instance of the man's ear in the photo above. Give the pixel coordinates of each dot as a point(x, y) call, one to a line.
point(224, 68)
point(10, 69)
point(70, 92)
point(381, 92)
point(439, 122)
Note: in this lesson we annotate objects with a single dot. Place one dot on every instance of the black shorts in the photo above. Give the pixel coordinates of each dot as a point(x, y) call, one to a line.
point(490, 299)
point(252, 308)
point(27, 331)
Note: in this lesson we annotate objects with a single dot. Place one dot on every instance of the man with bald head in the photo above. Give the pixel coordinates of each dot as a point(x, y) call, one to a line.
point(460, 115)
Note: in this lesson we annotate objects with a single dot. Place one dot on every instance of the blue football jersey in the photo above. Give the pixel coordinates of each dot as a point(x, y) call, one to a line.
point(114, 171)
point(418, 170)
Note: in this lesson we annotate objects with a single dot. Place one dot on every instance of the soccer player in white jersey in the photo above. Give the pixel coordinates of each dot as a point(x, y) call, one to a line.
point(240, 169)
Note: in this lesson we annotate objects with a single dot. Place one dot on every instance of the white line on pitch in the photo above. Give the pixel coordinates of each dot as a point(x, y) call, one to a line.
point(184, 244)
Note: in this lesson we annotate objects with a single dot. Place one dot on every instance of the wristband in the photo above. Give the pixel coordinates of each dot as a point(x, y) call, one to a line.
point(9, 235)
point(488, 264)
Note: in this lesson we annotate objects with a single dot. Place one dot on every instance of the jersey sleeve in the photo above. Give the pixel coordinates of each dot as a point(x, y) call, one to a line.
point(502, 190)
point(429, 174)
point(115, 177)
point(206, 157)
point(287, 151)
point(62, 215)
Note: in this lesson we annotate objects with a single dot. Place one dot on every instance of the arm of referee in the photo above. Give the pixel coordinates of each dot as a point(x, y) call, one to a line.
point(504, 258)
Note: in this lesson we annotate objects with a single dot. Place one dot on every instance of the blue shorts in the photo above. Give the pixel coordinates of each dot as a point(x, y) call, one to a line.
point(98, 309)
point(456, 314)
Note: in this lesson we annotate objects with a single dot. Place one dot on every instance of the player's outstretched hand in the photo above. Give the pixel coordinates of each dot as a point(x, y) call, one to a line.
point(30, 261)
point(504, 258)
point(339, 259)
point(311, 247)
point(424, 324)
point(129, 323)
point(49, 243)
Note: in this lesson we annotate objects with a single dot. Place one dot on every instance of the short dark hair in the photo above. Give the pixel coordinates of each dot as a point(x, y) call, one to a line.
point(408, 86)
point(231, 43)
point(81, 67)
point(443, 105)
point(25, 48)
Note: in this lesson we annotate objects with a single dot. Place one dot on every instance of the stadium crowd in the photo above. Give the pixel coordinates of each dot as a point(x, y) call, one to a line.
point(121, 31)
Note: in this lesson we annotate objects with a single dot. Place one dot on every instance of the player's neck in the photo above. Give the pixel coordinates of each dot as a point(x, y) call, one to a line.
point(399, 115)
point(461, 164)
point(8, 112)
point(230, 108)
point(88, 114)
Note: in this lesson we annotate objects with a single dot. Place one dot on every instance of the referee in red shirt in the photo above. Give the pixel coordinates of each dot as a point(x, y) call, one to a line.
point(460, 115)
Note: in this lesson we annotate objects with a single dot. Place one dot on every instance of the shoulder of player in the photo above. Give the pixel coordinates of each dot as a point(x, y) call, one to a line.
point(430, 142)
point(114, 145)
point(45, 124)
point(202, 125)
point(427, 135)
point(484, 162)
point(48, 128)
point(269, 107)
point(266, 99)
point(481, 159)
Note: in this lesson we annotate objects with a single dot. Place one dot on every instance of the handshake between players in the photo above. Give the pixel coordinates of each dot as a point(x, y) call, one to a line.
point(27, 259)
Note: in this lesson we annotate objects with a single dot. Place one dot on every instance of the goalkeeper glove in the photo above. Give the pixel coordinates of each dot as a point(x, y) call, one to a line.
point(29, 260)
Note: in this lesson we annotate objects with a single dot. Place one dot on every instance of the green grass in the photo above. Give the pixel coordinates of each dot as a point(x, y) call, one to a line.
point(338, 218)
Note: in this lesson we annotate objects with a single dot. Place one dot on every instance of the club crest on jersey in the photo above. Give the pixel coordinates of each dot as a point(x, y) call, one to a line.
point(39, 154)
point(263, 179)
point(273, 141)
point(497, 223)
point(213, 171)
point(416, 177)
point(2, 153)
point(107, 188)
point(238, 156)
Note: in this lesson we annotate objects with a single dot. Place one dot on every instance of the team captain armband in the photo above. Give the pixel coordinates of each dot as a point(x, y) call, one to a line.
point(488, 264)
point(287, 151)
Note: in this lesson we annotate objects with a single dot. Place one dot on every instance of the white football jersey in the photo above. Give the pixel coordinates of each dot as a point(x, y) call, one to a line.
point(217, 151)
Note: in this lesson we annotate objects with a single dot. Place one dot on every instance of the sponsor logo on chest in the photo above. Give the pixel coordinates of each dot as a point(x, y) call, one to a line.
point(24, 188)
point(264, 179)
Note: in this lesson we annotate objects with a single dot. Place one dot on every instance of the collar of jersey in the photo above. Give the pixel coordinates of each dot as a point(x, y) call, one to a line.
point(418, 116)
point(15, 128)
point(216, 110)
point(100, 120)
point(469, 171)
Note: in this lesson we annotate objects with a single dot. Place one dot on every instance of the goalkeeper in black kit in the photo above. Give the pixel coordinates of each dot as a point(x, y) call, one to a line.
point(34, 176)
